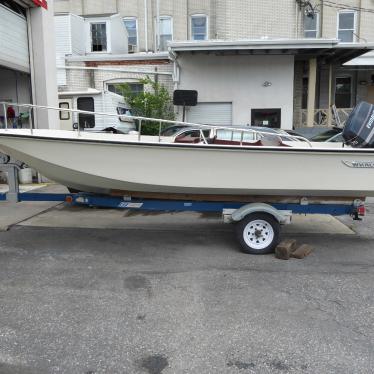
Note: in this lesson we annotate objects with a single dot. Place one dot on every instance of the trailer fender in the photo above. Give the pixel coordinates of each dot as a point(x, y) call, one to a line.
point(282, 216)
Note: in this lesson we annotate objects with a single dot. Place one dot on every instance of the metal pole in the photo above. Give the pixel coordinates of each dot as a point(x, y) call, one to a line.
point(30, 120)
point(140, 130)
point(184, 113)
point(329, 116)
point(13, 183)
point(159, 133)
point(5, 116)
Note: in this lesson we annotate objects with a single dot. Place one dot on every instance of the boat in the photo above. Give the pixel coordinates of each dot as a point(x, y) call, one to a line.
point(150, 166)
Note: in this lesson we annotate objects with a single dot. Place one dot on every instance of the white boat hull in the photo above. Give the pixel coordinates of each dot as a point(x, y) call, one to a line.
point(106, 163)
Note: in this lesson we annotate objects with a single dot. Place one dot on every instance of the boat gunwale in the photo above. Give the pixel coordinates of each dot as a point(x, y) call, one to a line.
point(194, 146)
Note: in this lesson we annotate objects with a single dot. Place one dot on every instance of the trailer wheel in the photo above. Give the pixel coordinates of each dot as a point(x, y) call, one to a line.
point(258, 233)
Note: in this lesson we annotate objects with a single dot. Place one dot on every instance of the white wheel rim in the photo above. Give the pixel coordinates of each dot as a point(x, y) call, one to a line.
point(258, 234)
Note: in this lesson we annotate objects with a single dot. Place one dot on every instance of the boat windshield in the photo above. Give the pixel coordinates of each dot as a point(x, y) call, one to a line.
point(223, 134)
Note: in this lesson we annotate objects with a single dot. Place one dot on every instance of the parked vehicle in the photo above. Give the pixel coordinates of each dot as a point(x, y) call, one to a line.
point(95, 101)
point(193, 135)
point(172, 130)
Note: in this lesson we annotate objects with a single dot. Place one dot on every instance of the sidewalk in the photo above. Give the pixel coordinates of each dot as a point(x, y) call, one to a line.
point(59, 215)
point(13, 213)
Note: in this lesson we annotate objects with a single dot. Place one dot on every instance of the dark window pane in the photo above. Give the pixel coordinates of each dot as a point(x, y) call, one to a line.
point(98, 37)
point(346, 20)
point(164, 41)
point(310, 23)
point(136, 88)
point(166, 33)
point(199, 28)
point(343, 88)
point(346, 36)
point(117, 88)
point(310, 34)
point(304, 101)
point(130, 24)
point(86, 104)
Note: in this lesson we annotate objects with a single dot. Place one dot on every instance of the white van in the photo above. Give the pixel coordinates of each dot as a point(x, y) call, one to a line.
point(95, 101)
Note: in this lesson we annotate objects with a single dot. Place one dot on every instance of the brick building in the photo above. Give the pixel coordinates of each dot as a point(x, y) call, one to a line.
point(318, 80)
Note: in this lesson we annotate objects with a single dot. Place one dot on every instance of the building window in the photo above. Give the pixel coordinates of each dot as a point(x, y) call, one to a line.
point(98, 37)
point(165, 32)
point(343, 92)
point(199, 27)
point(131, 24)
point(346, 26)
point(64, 116)
point(311, 25)
point(136, 88)
point(304, 97)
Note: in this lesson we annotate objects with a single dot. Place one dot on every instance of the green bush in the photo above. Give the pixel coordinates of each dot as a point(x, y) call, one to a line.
point(154, 102)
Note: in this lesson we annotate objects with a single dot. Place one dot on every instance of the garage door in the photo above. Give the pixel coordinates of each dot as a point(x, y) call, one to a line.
point(211, 114)
point(14, 51)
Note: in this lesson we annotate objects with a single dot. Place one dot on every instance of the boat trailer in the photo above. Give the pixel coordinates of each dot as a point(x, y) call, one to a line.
point(257, 224)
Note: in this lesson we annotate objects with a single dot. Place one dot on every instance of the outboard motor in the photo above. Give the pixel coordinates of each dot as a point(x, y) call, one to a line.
point(359, 128)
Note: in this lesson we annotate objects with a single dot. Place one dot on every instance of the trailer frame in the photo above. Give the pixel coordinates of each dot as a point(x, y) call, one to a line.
point(257, 224)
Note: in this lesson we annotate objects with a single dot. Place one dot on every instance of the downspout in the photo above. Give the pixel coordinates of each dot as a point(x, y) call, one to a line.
point(146, 24)
point(321, 19)
point(359, 21)
point(297, 21)
point(176, 68)
point(157, 26)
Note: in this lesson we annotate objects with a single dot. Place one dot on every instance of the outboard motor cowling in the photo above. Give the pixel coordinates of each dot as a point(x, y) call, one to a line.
point(359, 128)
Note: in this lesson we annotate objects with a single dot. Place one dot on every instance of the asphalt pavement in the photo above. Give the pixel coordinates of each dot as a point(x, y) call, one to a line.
point(160, 299)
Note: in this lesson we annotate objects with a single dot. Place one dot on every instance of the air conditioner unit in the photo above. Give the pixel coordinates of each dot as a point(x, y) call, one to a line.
point(132, 48)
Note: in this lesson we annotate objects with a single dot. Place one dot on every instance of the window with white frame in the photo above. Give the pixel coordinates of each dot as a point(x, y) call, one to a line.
point(311, 25)
point(165, 32)
point(98, 36)
point(199, 27)
point(131, 24)
point(347, 26)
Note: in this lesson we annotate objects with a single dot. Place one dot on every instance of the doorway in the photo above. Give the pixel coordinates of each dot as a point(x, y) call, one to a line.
point(66, 118)
point(266, 118)
point(86, 120)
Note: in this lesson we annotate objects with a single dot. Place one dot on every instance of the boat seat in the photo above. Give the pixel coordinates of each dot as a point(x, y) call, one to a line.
point(272, 141)
point(187, 140)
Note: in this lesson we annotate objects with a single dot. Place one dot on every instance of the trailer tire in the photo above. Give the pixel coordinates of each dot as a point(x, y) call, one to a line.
point(258, 233)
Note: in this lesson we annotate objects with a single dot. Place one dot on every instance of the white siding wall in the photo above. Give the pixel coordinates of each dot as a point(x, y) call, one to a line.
point(14, 49)
point(69, 34)
point(63, 44)
point(118, 35)
point(77, 35)
point(240, 79)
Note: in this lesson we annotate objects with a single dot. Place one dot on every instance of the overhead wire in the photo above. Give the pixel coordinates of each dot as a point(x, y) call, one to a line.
point(335, 5)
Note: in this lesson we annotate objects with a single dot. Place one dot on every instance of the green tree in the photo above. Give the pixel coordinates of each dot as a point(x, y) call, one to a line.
point(153, 102)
